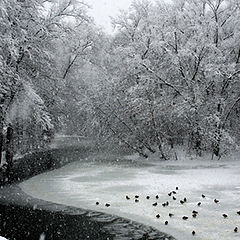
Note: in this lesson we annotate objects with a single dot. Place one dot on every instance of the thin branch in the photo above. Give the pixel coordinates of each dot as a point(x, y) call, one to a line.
point(86, 45)
point(230, 110)
point(163, 81)
point(238, 56)
point(199, 59)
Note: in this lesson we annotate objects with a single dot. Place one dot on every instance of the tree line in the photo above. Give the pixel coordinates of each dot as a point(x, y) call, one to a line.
point(168, 76)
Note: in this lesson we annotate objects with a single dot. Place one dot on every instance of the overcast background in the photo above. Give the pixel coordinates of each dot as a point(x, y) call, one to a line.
point(102, 10)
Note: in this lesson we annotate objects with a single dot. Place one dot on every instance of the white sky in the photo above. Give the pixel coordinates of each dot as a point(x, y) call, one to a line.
point(102, 9)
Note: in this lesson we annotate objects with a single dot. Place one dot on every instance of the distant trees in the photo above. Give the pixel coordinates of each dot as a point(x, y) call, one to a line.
point(169, 76)
point(173, 77)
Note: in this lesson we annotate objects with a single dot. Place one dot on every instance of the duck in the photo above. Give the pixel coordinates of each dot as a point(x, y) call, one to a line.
point(194, 215)
point(184, 217)
point(176, 188)
point(127, 197)
point(199, 204)
point(170, 214)
point(203, 196)
point(97, 203)
point(216, 201)
point(136, 196)
point(107, 205)
point(136, 200)
point(167, 203)
point(169, 194)
point(157, 197)
point(195, 212)
point(147, 197)
point(238, 212)
point(155, 204)
point(225, 215)
point(193, 232)
point(185, 199)
point(181, 201)
point(164, 204)
point(174, 198)
point(173, 192)
point(235, 229)
point(158, 216)
point(166, 223)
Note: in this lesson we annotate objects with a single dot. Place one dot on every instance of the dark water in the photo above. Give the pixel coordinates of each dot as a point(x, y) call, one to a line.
point(69, 223)
point(19, 223)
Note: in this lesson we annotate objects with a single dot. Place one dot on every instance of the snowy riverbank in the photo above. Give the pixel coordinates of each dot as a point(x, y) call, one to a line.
point(34, 217)
point(107, 179)
point(25, 217)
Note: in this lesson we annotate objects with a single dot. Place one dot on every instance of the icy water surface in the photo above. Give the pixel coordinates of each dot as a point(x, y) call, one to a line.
point(109, 180)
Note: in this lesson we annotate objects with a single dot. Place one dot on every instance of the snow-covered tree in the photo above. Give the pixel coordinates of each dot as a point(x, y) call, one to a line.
point(173, 71)
point(29, 30)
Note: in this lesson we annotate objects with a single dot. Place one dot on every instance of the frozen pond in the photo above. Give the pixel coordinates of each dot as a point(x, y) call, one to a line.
point(105, 179)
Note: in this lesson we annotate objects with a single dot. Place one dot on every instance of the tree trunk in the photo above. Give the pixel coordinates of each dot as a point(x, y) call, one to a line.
point(9, 147)
point(1, 137)
point(216, 145)
point(1, 142)
point(198, 143)
point(219, 127)
point(161, 150)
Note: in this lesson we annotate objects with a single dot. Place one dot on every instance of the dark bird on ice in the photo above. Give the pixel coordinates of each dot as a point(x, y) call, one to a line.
point(170, 214)
point(147, 197)
point(127, 197)
point(184, 217)
point(136, 196)
point(203, 196)
point(169, 194)
point(157, 197)
point(216, 201)
point(97, 203)
point(194, 212)
point(181, 201)
point(174, 198)
point(225, 215)
point(194, 215)
point(158, 216)
point(136, 200)
point(165, 204)
point(173, 192)
point(235, 229)
point(185, 200)
point(176, 188)
point(199, 204)
point(193, 232)
point(166, 223)
point(238, 212)
point(154, 204)
point(107, 205)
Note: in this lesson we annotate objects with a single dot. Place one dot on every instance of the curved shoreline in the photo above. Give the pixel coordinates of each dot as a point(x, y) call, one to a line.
point(86, 224)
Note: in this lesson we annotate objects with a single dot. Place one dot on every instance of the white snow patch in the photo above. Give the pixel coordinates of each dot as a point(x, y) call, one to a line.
point(2, 238)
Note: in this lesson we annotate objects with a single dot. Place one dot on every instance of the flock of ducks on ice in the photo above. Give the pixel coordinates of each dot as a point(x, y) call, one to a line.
point(165, 204)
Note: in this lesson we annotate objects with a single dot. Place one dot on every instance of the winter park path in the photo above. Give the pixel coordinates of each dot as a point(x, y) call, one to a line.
point(106, 178)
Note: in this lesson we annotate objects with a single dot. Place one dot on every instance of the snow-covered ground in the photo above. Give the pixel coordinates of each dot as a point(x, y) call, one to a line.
point(107, 180)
